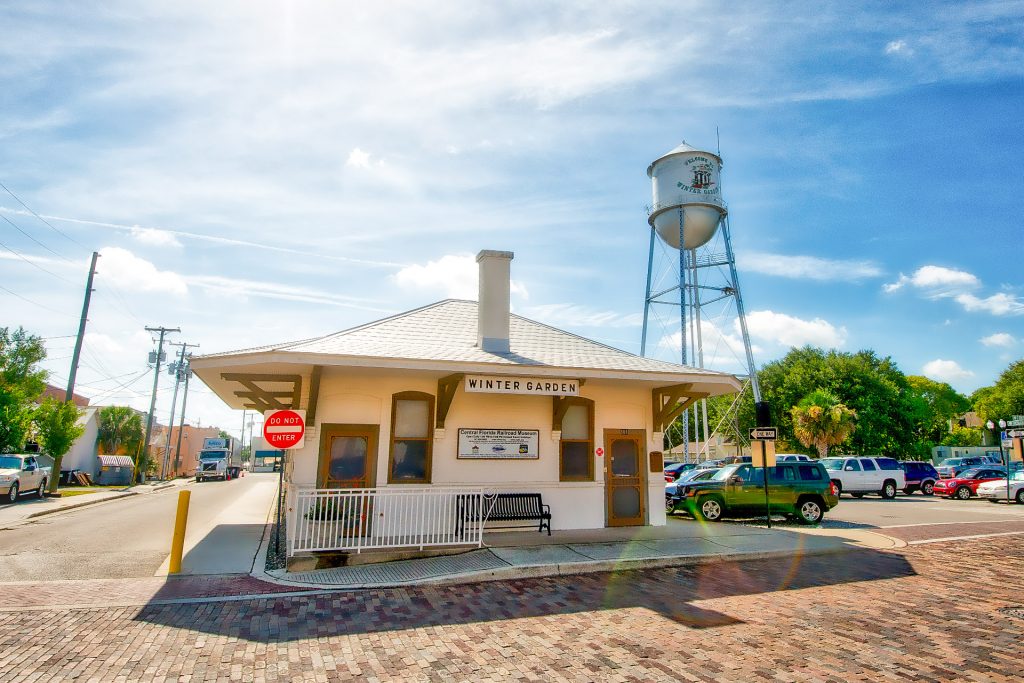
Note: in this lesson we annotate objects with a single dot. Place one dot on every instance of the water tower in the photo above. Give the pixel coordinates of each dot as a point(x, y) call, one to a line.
point(689, 222)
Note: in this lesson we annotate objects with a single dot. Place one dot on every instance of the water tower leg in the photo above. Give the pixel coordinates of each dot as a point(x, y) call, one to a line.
point(752, 369)
point(647, 295)
point(682, 324)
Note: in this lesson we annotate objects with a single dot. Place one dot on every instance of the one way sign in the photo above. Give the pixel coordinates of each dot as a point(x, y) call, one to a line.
point(764, 433)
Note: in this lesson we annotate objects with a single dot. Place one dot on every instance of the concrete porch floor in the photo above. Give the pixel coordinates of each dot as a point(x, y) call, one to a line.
point(521, 554)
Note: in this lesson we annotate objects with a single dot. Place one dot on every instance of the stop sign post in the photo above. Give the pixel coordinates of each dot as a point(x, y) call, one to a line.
point(284, 429)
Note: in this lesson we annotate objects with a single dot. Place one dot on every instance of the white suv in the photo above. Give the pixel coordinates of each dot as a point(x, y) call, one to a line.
point(858, 476)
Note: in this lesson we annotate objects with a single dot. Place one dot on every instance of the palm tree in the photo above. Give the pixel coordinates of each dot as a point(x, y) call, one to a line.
point(120, 430)
point(820, 420)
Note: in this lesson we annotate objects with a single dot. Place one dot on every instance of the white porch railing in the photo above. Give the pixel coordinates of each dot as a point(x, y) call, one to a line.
point(393, 517)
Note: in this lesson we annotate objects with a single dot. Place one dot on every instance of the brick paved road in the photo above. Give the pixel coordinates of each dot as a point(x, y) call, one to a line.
point(859, 616)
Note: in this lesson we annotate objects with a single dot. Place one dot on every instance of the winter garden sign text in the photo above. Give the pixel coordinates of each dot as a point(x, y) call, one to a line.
point(540, 386)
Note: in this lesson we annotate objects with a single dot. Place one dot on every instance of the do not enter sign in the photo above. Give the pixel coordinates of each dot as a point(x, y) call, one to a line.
point(284, 429)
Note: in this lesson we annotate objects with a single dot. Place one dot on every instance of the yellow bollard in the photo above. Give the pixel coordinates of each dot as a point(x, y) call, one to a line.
point(178, 541)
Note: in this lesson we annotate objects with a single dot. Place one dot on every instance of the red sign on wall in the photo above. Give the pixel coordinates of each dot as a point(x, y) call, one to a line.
point(284, 429)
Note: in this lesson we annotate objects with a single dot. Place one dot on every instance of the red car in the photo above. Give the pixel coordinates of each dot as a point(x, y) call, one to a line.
point(965, 484)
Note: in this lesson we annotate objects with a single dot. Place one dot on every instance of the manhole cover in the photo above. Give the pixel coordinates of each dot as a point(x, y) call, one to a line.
point(1013, 611)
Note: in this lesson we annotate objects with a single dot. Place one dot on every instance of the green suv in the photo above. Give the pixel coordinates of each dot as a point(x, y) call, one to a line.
point(796, 489)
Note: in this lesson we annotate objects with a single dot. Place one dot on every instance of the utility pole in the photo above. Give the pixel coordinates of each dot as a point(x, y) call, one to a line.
point(81, 335)
point(175, 369)
point(181, 425)
point(55, 480)
point(156, 381)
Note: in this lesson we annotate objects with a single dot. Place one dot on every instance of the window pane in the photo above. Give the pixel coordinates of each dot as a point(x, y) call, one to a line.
point(625, 459)
point(348, 458)
point(409, 460)
point(868, 465)
point(412, 419)
point(809, 473)
point(576, 423)
point(576, 460)
point(626, 502)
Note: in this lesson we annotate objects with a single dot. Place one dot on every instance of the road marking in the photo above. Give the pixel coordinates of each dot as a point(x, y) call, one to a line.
point(973, 521)
point(965, 538)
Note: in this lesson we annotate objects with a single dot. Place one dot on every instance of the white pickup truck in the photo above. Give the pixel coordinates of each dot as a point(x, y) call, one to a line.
point(22, 474)
point(859, 476)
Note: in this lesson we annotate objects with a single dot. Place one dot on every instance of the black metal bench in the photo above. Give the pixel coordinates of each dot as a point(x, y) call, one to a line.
point(505, 507)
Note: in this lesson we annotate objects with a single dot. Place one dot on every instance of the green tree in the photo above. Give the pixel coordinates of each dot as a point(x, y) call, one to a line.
point(962, 436)
point(22, 382)
point(1005, 398)
point(57, 425)
point(933, 404)
point(822, 421)
point(120, 430)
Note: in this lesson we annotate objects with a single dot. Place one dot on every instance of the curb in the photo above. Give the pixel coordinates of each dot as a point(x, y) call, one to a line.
point(570, 569)
point(81, 504)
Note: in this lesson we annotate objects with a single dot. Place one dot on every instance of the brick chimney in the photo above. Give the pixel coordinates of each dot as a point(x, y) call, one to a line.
point(493, 303)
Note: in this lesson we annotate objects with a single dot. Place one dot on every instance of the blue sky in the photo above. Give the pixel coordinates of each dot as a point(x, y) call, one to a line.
point(256, 172)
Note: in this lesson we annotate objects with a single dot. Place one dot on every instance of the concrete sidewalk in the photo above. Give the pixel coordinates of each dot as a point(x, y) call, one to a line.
point(31, 507)
point(526, 554)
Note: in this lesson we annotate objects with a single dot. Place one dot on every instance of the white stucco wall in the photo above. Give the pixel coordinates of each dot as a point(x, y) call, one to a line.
point(82, 455)
point(366, 399)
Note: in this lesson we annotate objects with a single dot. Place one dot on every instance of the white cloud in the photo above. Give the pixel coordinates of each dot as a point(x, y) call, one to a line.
point(455, 275)
point(357, 158)
point(808, 267)
point(997, 304)
point(936, 281)
point(721, 350)
point(999, 339)
point(898, 47)
point(102, 343)
point(566, 316)
point(946, 371)
point(129, 272)
point(154, 237)
point(792, 331)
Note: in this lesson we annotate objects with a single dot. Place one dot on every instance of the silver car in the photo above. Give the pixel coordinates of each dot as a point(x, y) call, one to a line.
point(22, 474)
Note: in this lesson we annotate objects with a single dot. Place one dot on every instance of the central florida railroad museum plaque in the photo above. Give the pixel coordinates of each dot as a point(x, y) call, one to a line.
point(501, 444)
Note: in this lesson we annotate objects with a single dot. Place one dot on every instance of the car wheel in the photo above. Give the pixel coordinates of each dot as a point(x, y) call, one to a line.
point(670, 505)
point(1020, 497)
point(12, 495)
point(839, 487)
point(928, 488)
point(810, 512)
point(710, 509)
point(889, 490)
point(41, 491)
point(963, 493)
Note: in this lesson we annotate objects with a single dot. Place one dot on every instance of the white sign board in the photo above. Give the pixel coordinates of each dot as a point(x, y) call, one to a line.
point(1015, 433)
point(764, 433)
point(501, 444)
point(538, 386)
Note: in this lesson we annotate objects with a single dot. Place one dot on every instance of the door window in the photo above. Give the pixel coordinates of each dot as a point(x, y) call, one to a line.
point(868, 465)
point(851, 466)
point(625, 460)
point(348, 458)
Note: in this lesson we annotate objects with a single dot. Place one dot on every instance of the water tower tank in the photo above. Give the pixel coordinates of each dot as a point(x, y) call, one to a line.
point(687, 178)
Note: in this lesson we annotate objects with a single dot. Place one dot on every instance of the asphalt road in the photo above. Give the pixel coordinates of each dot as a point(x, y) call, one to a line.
point(128, 537)
point(873, 511)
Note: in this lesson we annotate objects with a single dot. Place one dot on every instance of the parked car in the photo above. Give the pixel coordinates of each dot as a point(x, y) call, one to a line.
point(676, 491)
point(965, 484)
point(792, 457)
point(920, 476)
point(860, 476)
point(734, 459)
point(995, 490)
point(22, 474)
point(675, 469)
point(797, 489)
point(951, 467)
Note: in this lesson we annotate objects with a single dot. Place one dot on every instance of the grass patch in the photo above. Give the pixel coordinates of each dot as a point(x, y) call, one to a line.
point(64, 493)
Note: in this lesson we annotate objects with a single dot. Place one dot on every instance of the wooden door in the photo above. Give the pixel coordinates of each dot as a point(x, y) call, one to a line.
point(625, 477)
point(348, 457)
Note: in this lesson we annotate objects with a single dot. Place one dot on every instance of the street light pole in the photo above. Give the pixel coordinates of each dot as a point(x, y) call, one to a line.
point(1002, 458)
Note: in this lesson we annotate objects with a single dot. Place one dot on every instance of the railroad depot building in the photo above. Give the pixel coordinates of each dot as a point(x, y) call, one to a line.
point(461, 395)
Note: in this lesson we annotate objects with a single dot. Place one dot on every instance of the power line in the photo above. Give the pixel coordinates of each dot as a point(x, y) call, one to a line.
point(16, 227)
point(29, 209)
point(36, 303)
point(35, 264)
